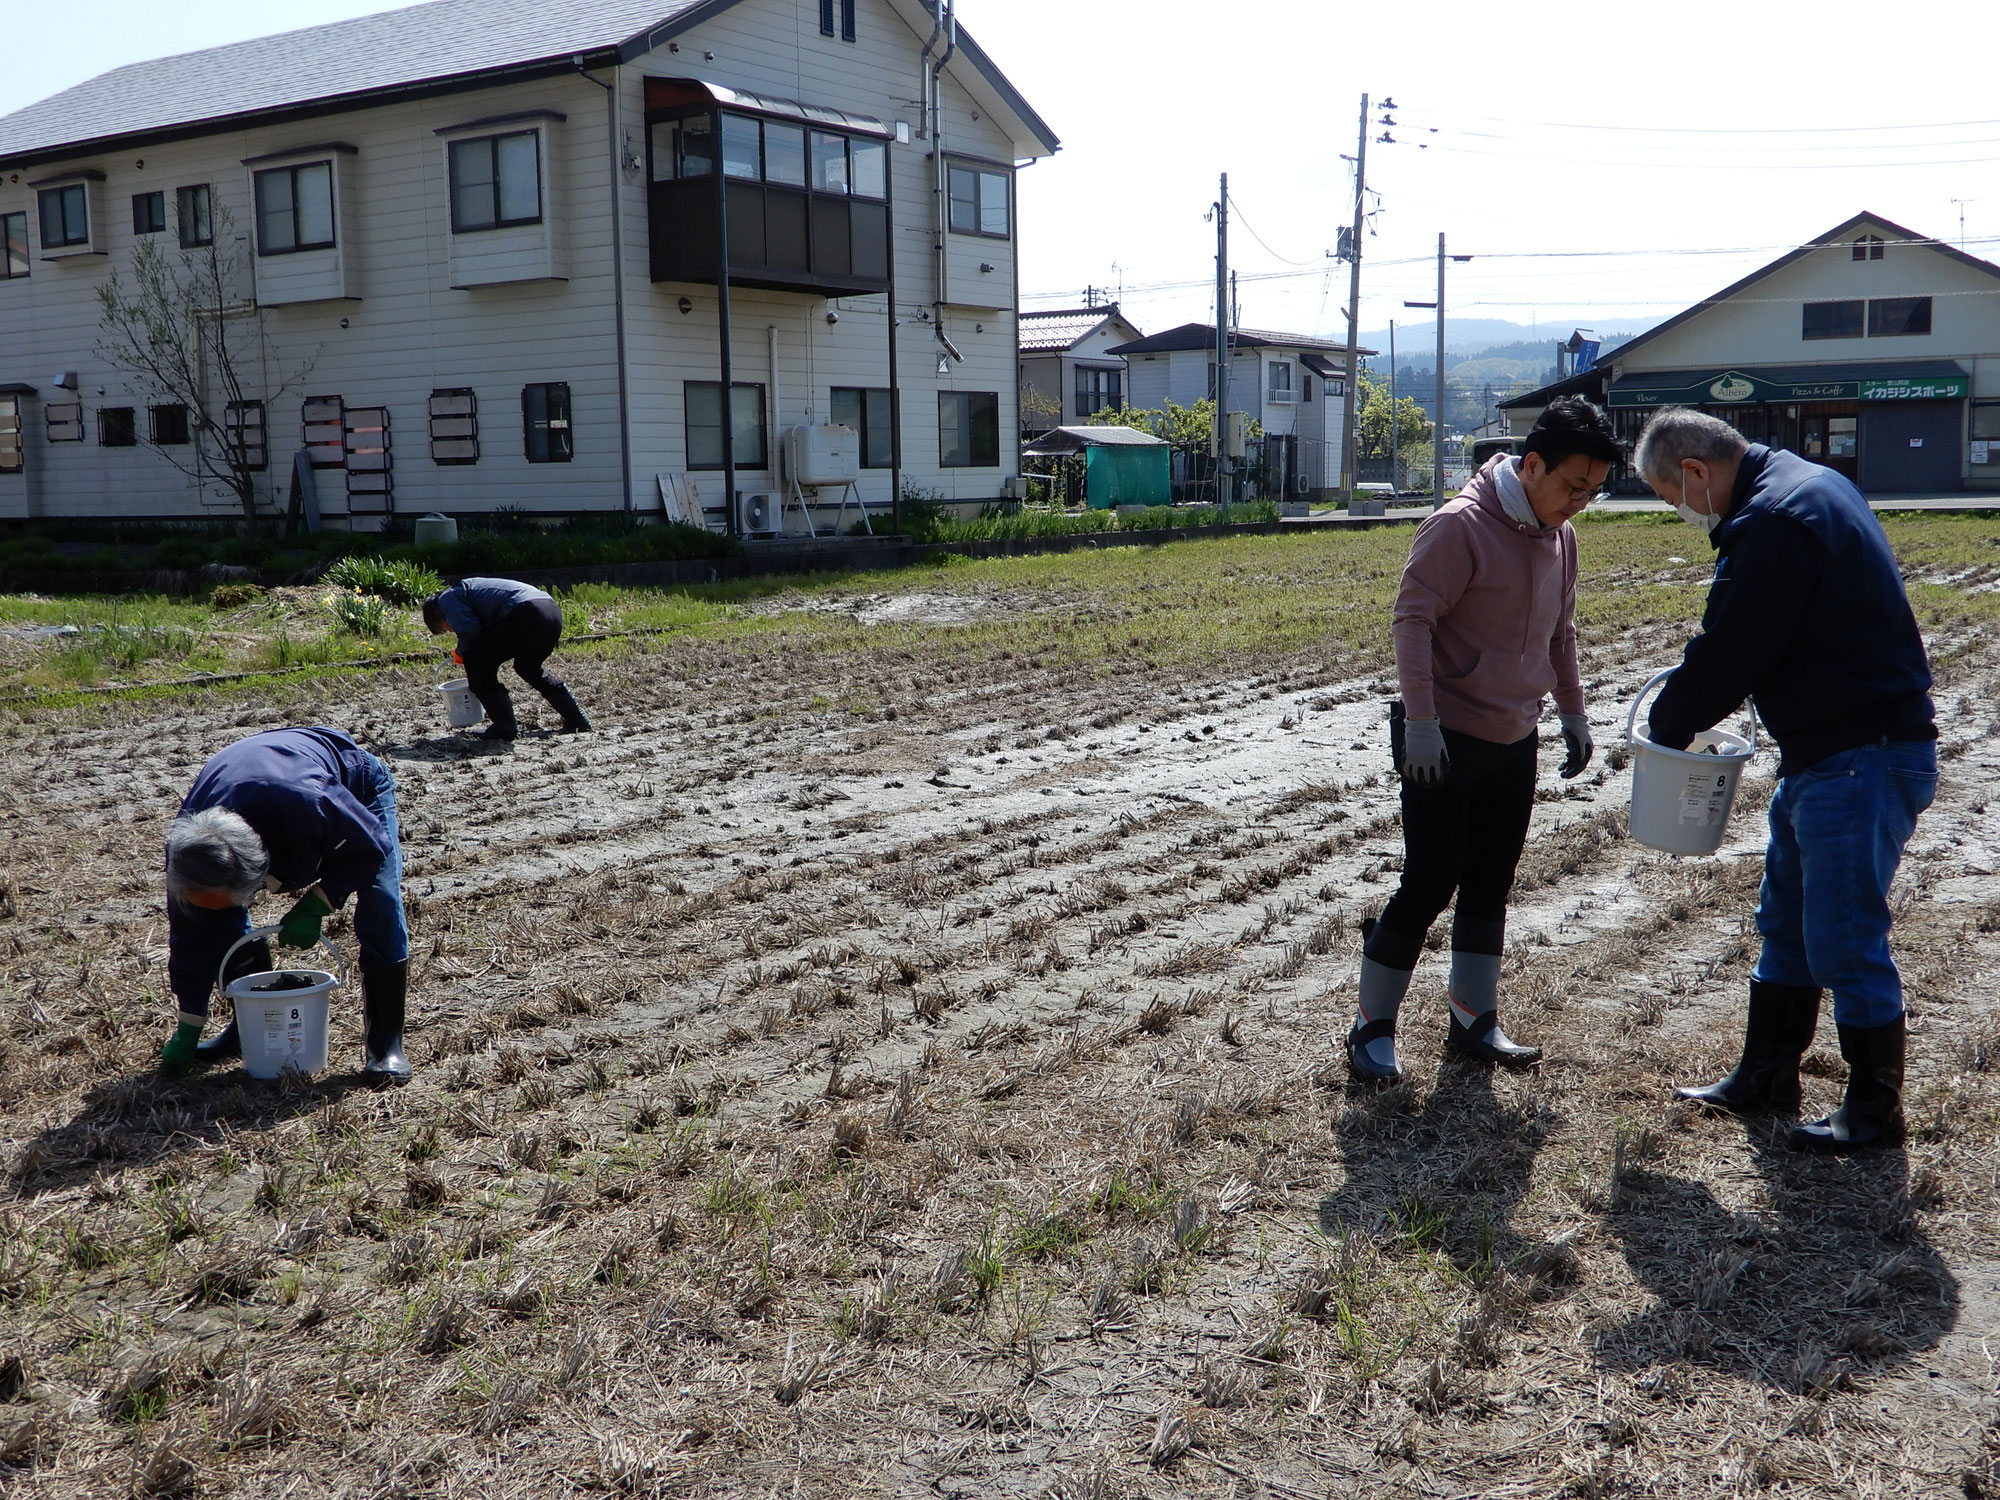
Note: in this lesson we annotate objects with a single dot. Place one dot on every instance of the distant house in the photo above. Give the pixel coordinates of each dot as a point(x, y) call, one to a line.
point(1066, 360)
point(1873, 350)
point(495, 231)
point(1293, 384)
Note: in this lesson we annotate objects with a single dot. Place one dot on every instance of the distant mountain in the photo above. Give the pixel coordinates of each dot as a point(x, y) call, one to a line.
point(1478, 372)
point(1466, 337)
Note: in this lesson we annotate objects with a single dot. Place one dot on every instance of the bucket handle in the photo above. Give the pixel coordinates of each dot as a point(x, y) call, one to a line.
point(1632, 718)
point(258, 934)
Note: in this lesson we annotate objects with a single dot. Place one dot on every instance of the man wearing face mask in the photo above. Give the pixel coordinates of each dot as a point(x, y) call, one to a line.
point(1807, 616)
point(1484, 631)
point(309, 813)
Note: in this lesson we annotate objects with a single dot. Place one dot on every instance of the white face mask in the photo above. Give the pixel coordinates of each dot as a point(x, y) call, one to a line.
point(1700, 521)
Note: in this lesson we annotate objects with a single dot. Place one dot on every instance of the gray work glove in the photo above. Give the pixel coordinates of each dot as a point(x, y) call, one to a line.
point(1576, 735)
point(1424, 760)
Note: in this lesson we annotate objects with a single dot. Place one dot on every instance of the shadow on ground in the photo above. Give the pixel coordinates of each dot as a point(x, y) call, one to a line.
point(141, 1120)
point(1445, 1171)
point(1832, 1279)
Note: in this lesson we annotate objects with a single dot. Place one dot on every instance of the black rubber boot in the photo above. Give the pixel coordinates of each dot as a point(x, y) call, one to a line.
point(384, 993)
point(1360, 1066)
point(500, 709)
point(1776, 1032)
point(251, 958)
point(1484, 1041)
point(1872, 1114)
point(564, 702)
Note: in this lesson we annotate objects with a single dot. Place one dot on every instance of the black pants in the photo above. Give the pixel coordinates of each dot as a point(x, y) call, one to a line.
point(1464, 836)
point(526, 635)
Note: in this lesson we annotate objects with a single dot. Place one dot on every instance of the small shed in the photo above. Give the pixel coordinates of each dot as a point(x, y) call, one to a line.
point(1122, 465)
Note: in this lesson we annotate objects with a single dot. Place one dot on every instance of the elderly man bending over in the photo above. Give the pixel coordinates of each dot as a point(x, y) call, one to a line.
point(305, 812)
point(1807, 616)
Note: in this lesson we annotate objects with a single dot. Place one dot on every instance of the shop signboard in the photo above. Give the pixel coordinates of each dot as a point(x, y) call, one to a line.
point(1738, 387)
point(1947, 388)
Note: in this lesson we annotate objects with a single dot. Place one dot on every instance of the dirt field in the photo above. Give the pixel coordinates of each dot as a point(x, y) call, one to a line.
point(899, 1055)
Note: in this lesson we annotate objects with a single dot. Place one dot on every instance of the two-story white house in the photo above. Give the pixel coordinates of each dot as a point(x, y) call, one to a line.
point(1292, 384)
point(520, 253)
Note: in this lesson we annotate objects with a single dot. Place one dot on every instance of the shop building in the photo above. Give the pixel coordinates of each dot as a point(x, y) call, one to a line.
point(1873, 350)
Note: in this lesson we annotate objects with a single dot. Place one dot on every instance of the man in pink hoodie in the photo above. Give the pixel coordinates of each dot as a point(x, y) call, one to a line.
point(1484, 631)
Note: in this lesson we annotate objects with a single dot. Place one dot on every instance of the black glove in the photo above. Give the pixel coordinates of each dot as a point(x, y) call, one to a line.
point(1576, 735)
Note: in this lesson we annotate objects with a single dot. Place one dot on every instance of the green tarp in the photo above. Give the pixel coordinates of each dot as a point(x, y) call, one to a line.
point(1128, 475)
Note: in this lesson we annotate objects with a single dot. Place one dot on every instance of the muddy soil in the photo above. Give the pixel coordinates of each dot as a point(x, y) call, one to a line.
point(943, 1097)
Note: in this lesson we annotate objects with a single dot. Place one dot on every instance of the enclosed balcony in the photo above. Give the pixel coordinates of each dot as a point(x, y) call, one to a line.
point(806, 191)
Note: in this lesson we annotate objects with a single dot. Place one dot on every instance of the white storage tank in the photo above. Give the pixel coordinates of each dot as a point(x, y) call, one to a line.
point(827, 454)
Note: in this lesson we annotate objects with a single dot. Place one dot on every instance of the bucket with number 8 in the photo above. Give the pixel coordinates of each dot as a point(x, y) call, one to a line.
point(1681, 799)
point(283, 1016)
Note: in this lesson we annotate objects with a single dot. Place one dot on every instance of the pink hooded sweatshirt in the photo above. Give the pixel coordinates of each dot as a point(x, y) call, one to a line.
point(1485, 620)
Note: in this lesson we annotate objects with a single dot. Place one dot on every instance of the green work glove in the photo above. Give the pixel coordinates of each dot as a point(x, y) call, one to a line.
point(177, 1057)
point(300, 928)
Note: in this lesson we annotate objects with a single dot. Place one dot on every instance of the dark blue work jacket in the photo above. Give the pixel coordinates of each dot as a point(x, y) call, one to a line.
point(1807, 616)
point(305, 792)
point(473, 604)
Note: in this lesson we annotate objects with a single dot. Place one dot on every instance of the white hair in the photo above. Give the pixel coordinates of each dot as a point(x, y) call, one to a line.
point(1680, 432)
point(215, 850)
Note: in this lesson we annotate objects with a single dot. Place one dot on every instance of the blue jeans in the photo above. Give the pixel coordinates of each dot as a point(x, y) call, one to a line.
point(1837, 834)
point(198, 938)
point(381, 931)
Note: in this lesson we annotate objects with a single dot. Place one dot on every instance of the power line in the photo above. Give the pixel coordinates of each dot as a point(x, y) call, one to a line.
point(1721, 165)
point(1595, 126)
point(1260, 238)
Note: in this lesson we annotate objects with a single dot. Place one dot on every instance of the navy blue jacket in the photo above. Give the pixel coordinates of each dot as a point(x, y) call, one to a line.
point(305, 792)
point(1807, 616)
point(472, 604)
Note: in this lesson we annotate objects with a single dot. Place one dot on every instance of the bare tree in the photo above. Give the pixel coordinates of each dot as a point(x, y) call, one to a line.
point(191, 340)
point(1039, 410)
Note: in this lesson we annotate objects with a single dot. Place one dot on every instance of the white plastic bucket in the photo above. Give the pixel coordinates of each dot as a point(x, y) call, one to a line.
point(283, 1016)
point(1681, 799)
point(460, 706)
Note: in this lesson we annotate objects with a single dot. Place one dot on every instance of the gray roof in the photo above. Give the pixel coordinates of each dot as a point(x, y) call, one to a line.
point(1060, 440)
point(1061, 328)
point(1202, 336)
point(422, 49)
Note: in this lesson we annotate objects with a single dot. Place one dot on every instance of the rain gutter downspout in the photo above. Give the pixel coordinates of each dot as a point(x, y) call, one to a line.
point(948, 21)
point(617, 278)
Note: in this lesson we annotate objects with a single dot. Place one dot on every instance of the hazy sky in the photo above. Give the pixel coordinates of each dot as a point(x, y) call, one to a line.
point(1604, 164)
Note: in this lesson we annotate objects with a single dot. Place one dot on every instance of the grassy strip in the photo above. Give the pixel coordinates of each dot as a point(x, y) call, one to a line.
point(1246, 600)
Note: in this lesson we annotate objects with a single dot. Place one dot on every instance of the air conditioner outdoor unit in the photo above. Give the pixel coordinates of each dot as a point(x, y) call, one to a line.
point(1013, 487)
point(757, 513)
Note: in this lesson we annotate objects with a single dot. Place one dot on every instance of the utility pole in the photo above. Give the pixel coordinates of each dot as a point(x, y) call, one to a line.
point(1437, 437)
point(1961, 202)
point(1349, 469)
point(1395, 426)
point(1222, 487)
